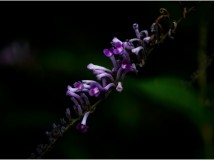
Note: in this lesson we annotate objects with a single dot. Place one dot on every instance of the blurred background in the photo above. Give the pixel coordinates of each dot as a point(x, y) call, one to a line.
point(162, 112)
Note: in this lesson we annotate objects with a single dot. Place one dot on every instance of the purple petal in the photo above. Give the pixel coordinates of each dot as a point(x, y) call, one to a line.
point(110, 85)
point(135, 27)
point(95, 90)
point(118, 45)
point(70, 89)
point(125, 64)
point(72, 94)
point(79, 110)
point(96, 67)
point(82, 128)
point(98, 71)
point(128, 45)
point(116, 51)
point(107, 52)
point(115, 40)
point(84, 120)
point(135, 39)
point(144, 33)
point(75, 101)
point(100, 76)
point(119, 72)
point(137, 50)
point(87, 102)
point(147, 39)
point(78, 85)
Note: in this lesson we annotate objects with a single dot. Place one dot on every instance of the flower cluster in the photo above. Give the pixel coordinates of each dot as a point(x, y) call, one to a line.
point(126, 56)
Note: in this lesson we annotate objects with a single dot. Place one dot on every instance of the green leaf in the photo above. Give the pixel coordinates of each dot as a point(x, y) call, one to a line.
point(171, 92)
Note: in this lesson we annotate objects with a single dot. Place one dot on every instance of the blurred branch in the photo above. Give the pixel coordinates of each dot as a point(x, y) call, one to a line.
point(203, 63)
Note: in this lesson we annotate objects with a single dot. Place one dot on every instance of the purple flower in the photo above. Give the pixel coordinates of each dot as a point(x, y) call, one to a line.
point(144, 33)
point(120, 54)
point(119, 87)
point(98, 72)
point(147, 40)
point(130, 42)
point(78, 85)
point(95, 89)
point(115, 40)
point(105, 75)
point(71, 92)
point(109, 53)
point(129, 45)
point(125, 67)
point(110, 85)
point(82, 127)
point(118, 48)
point(96, 67)
point(79, 110)
point(77, 106)
point(85, 98)
point(70, 89)
point(137, 50)
point(81, 86)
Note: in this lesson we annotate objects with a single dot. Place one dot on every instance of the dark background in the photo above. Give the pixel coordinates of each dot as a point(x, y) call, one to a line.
point(45, 46)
